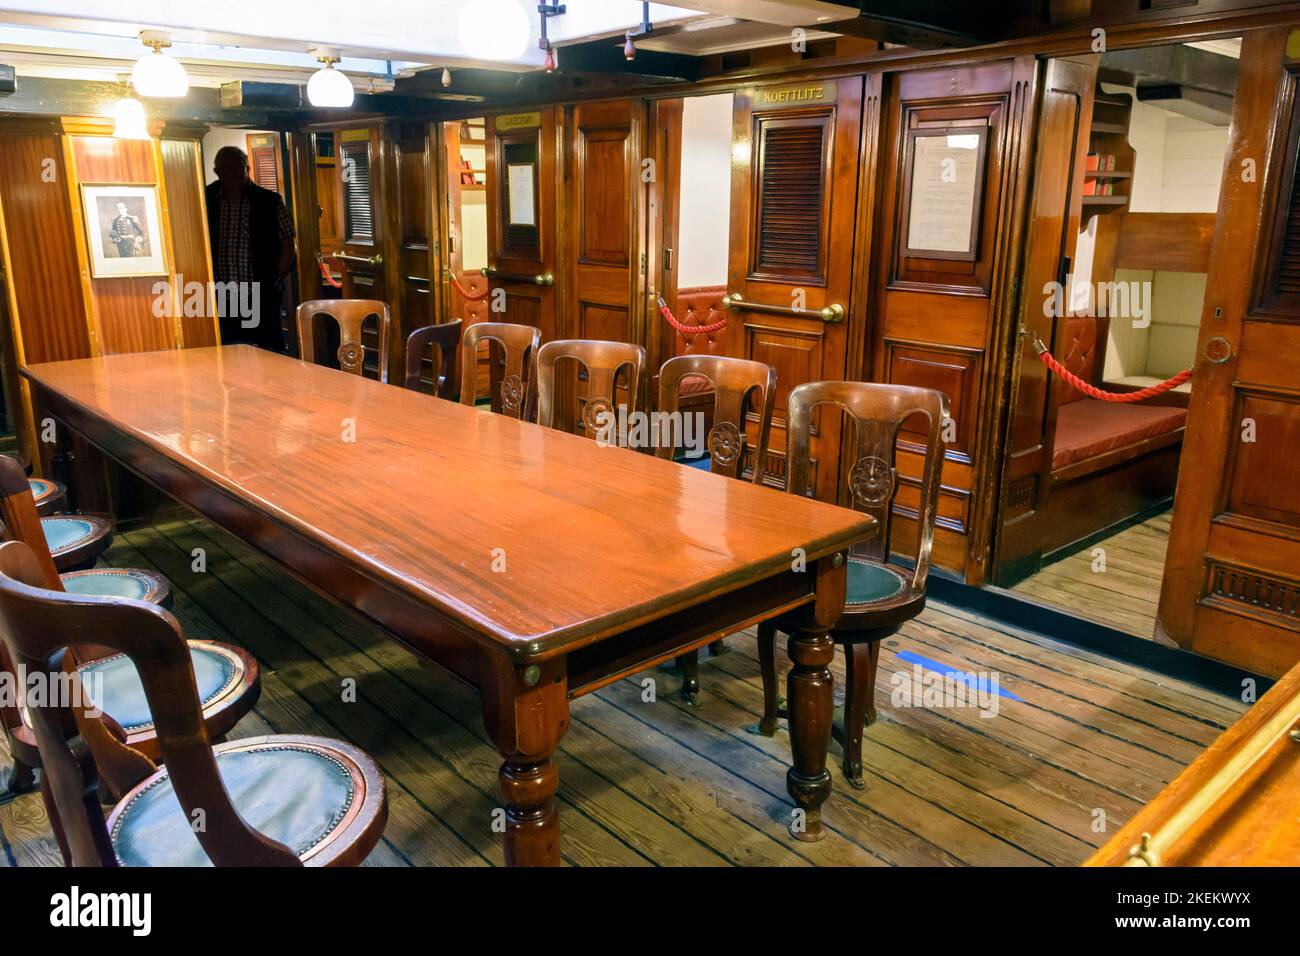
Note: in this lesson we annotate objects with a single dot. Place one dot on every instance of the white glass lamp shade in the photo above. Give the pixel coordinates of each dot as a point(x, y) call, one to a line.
point(157, 74)
point(128, 117)
point(329, 87)
point(494, 29)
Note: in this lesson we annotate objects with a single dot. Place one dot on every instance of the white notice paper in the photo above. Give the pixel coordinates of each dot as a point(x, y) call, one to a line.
point(519, 182)
point(944, 177)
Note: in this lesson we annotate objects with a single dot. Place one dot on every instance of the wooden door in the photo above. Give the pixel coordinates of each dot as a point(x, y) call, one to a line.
point(264, 161)
point(361, 260)
point(604, 266)
point(793, 197)
point(414, 229)
point(1061, 143)
point(1232, 577)
point(521, 213)
point(955, 160)
point(604, 189)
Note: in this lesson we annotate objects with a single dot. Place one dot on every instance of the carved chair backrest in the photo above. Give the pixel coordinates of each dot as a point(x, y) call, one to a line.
point(349, 315)
point(519, 345)
point(869, 478)
point(604, 363)
point(740, 387)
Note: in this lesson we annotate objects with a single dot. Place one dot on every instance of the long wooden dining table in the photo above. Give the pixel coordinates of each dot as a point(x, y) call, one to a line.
point(534, 565)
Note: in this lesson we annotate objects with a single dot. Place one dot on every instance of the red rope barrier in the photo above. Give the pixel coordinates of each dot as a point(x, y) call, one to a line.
point(466, 293)
point(688, 330)
point(1093, 392)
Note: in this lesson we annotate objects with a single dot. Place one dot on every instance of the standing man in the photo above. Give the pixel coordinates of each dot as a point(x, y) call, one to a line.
point(126, 233)
point(251, 236)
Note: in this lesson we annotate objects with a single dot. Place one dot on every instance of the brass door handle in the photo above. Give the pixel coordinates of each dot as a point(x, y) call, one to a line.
point(542, 279)
point(832, 313)
point(375, 260)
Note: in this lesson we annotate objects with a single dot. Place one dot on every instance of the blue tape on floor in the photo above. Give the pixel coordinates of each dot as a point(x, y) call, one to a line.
point(969, 678)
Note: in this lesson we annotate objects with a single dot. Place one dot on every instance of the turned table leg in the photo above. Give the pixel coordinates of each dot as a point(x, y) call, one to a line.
point(809, 700)
point(526, 711)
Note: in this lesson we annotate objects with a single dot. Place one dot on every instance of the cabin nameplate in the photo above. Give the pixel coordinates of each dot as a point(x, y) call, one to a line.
point(806, 94)
point(511, 121)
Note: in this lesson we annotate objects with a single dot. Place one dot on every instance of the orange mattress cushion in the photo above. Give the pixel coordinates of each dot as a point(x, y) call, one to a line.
point(1092, 427)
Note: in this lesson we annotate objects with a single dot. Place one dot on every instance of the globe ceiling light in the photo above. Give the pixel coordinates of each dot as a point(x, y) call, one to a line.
point(128, 119)
point(328, 87)
point(494, 29)
point(156, 73)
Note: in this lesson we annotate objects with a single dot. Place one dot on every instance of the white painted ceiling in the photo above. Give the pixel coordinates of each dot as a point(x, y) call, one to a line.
point(379, 40)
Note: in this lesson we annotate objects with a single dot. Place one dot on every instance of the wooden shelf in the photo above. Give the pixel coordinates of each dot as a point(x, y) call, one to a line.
point(1116, 128)
point(1106, 174)
point(1105, 200)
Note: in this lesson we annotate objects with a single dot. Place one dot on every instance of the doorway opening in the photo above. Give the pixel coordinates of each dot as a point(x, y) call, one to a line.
point(1133, 300)
point(694, 138)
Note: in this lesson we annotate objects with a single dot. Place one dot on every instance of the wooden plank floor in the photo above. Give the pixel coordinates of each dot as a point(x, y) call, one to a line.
point(1125, 594)
point(646, 782)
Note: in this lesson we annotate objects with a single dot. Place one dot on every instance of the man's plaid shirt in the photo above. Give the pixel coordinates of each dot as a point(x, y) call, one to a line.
point(233, 255)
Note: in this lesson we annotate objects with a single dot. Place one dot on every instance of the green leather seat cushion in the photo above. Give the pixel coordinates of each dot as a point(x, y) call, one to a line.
point(105, 582)
point(63, 531)
point(293, 795)
point(121, 695)
point(870, 582)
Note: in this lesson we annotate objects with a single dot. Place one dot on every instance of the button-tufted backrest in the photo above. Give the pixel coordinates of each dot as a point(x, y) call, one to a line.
point(1077, 353)
point(701, 305)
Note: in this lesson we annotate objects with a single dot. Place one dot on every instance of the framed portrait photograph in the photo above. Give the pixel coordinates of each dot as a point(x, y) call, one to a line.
point(123, 232)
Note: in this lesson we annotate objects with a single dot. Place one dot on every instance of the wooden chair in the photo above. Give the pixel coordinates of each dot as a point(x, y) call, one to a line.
point(604, 362)
point(443, 341)
point(228, 677)
point(81, 539)
point(519, 344)
point(739, 386)
point(265, 801)
point(881, 596)
point(349, 315)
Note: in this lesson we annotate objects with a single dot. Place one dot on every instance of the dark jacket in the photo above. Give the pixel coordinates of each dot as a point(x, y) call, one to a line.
point(263, 230)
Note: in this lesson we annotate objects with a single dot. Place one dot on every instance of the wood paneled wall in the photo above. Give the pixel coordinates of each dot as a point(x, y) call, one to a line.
point(55, 309)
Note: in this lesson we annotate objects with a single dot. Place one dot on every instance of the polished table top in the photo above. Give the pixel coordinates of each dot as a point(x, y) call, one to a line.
point(594, 539)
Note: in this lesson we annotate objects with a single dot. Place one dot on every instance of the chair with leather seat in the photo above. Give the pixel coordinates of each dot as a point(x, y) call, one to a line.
point(48, 494)
point(607, 367)
point(740, 388)
point(349, 315)
point(283, 800)
point(75, 542)
point(72, 541)
point(511, 379)
point(443, 343)
point(228, 677)
point(882, 595)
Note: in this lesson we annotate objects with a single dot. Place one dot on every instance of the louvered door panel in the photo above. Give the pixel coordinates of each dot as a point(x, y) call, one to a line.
point(358, 212)
point(264, 160)
point(790, 220)
point(1288, 264)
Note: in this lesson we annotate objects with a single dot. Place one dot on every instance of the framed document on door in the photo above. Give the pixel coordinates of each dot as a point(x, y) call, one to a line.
point(944, 169)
